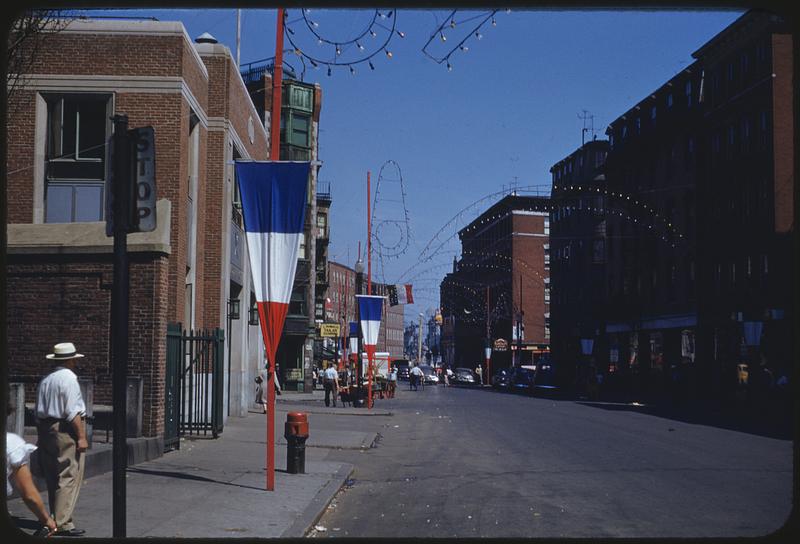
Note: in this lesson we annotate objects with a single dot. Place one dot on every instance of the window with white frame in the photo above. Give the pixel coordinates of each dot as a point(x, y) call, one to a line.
point(78, 128)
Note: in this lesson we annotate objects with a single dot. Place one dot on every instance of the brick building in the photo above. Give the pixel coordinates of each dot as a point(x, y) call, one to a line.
point(59, 263)
point(700, 180)
point(503, 251)
point(578, 254)
point(342, 292)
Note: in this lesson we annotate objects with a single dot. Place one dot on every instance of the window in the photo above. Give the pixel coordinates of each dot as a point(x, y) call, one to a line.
point(669, 100)
point(547, 226)
point(322, 220)
point(75, 166)
point(598, 251)
point(301, 253)
point(297, 302)
point(763, 136)
point(638, 125)
point(653, 112)
point(624, 131)
point(715, 139)
point(300, 129)
point(688, 91)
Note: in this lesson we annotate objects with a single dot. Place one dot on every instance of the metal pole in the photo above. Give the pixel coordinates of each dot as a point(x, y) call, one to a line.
point(274, 154)
point(419, 341)
point(238, 35)
point(119, 317)
point(488, 336)
point(277, 80)
point(369, 240)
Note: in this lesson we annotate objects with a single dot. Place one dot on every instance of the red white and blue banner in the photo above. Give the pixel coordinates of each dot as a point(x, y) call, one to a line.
point(273, 208)
point(370, 309)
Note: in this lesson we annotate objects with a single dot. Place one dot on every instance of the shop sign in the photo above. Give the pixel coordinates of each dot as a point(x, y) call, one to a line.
point(329, 330)
point(500, 345)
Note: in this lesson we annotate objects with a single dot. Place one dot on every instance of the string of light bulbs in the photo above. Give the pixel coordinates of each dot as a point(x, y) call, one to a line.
point(364, 41)
point(450, 24)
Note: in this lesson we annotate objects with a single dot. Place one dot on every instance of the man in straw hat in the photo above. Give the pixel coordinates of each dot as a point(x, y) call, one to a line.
point(62, 436)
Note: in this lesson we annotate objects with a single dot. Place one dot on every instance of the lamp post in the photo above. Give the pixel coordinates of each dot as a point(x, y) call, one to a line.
point(359, 267)
point(419, 339)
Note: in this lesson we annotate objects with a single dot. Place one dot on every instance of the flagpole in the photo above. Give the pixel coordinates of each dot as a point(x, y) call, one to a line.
point(369, 240)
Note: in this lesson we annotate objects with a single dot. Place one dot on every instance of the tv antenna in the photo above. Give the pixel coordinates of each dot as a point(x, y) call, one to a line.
point(586, 116)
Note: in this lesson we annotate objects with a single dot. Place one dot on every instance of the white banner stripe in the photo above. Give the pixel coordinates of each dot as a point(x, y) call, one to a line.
point(275, 252)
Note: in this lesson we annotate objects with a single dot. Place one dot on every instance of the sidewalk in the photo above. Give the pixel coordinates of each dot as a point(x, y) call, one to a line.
point(215, 488)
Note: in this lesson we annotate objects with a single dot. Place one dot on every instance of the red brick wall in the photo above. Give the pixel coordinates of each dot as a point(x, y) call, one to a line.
point(783, 136)
point(20, 134)
point(528, 262)
point(67, 298)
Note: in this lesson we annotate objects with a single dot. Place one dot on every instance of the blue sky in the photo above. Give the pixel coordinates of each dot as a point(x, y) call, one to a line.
point(506, 112)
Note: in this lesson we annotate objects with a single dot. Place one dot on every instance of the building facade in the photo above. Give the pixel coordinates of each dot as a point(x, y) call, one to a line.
point(188, 269)
point(301, 104)
point(699, 246)
point(577, 252)
point(499, 291)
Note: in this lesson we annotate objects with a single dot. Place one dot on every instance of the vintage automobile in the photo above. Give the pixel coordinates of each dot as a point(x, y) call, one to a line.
point(463, 376)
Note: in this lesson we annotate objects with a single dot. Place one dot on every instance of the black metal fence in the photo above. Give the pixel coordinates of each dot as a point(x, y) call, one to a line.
point(194, 384)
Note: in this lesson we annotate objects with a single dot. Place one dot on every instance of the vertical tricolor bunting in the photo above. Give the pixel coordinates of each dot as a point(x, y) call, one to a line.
point(354, 340)
point(273, 208)
point(370, 309)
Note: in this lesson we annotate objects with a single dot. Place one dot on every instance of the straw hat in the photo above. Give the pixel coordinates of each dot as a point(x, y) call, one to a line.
point(65, 350)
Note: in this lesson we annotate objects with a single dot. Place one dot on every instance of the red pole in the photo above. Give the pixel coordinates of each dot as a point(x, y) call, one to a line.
point(277, 80)
point(369, 241)
point(275, 136)
point(370, 358)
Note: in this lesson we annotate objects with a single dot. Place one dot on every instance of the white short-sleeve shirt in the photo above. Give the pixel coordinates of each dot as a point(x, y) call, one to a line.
point(59, 396)
point(18, 453)
point(331, 374)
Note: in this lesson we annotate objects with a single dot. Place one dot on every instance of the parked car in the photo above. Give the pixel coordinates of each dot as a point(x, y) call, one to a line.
point(523, 378)
point(463, 376)
point(545, 376)
point(502, 378)
point(429, 374)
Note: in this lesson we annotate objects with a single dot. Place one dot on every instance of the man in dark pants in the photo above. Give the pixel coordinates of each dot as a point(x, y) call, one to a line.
point(331, 383)
point(62, 436)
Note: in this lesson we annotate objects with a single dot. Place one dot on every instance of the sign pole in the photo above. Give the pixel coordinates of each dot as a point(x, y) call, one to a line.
point(122, 218)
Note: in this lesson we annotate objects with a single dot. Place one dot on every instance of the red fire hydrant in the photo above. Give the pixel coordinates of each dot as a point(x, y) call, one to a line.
point(296, 433)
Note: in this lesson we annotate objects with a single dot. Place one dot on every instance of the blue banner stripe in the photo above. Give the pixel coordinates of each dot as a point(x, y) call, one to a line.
point(353, 328)
point(370, 308)
point(273, 195)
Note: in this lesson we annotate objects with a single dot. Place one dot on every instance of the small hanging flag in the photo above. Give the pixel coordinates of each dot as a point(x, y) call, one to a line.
point(400, 294)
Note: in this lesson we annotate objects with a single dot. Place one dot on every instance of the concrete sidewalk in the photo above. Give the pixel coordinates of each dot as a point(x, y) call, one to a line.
point(215, 488)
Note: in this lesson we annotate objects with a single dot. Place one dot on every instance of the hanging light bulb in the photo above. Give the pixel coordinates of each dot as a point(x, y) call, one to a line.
point(314, 64)
point(298, 52)
point(316, 24)
point(388, 53)
point(494, 22)
point(389, 14)
point(289, 30)
point(508, 10)
point(452, 23)
point(372, 33)
point(371, 66)
point(352, 70)
point(401, 34)
point(329, 70)
point(464, 48)
point(338, 50)
point(450, 69)
point(478, 35)
point(361, 47)
point(319, 41)
point(442, 36)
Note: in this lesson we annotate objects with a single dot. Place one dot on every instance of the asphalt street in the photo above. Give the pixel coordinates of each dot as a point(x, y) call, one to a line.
point(457, 462)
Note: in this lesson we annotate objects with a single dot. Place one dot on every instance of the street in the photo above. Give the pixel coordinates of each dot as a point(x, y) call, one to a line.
point(456, 462)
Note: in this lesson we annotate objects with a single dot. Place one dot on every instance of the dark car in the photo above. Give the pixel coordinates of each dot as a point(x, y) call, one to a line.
point(523, 379)
point(545, 380)
point(463, 376)
point(502, 379)
point(402, 370)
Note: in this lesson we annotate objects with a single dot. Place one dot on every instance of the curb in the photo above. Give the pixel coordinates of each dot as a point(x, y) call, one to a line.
point(314, 511)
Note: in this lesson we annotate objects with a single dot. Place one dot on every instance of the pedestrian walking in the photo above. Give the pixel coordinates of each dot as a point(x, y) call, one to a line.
point(479, 372)
point(19, 476)
point(392, 382)
point(62, 443)
point(331, 384)
point(415, 375)
point(261, 395)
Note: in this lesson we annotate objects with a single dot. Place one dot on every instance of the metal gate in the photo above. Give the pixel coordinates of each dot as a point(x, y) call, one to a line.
point(194, 384)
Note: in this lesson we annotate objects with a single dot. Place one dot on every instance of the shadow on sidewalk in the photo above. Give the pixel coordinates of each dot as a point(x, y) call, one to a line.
point(184, 476)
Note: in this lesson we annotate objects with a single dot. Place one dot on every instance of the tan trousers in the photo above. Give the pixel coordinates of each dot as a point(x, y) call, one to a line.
point(62, 468)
